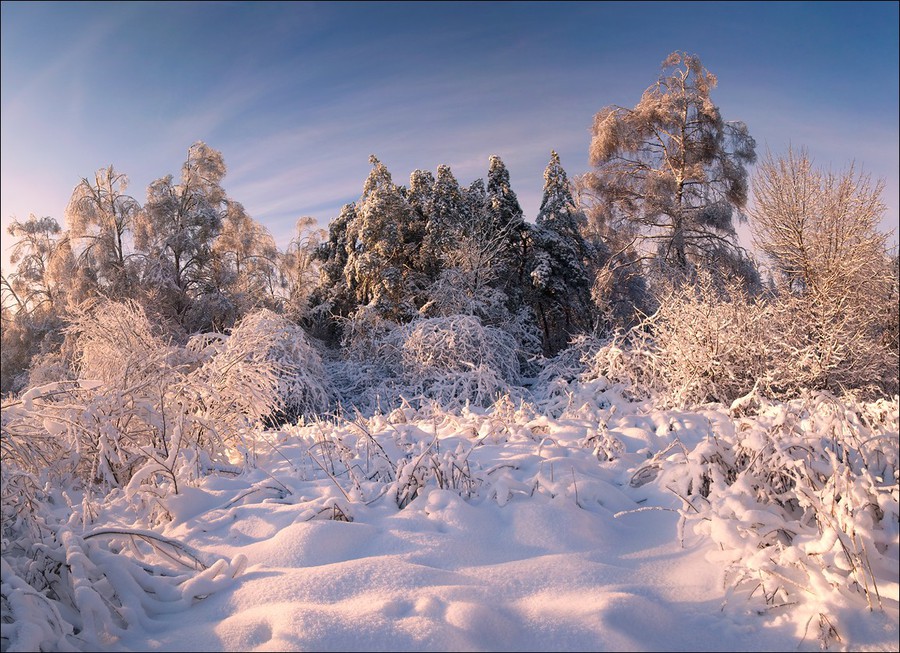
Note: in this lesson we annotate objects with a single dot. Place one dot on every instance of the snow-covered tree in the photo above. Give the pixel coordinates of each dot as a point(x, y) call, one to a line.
point(560, 281)
point(300, 267)
point(34, 296)
point(177, 226)
point(507, 225)
point(673, 168)
point(821, 232)
point(448, 212)
point(243, 268)
point(419, 195)
point(473, 265)
point(334, 297)
point(380, 246)
point(33, 285)
point(100, 216)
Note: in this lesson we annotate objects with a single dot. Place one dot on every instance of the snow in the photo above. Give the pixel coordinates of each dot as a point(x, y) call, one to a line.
point(541, 544)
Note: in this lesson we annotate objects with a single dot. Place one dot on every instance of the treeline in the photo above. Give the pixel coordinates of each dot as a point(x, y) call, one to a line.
point(643, 248)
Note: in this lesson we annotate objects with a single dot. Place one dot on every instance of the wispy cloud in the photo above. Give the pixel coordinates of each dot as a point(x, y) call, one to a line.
point(298, 95)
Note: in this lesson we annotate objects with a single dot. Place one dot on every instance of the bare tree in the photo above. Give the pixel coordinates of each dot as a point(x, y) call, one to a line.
point(300, 267)
point(820, 230)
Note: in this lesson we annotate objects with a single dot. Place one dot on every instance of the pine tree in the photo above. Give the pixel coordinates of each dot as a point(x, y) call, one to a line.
point(506, 226)
point(447, 213)
point(334, 296)
point(424, 265)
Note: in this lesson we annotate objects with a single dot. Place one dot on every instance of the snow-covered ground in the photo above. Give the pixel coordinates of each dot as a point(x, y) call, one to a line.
point(518, 531)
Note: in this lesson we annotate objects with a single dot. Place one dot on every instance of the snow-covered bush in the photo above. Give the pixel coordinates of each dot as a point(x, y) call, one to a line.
point(65, 590)
point(144, 412)
point(628, 360)
point(364, 334)
point(152, 416)
point(116, 344)
point(709, 342)
point(267, 340)
point(456, 344)
point(801, 498)
point(455, 360)
point(451, 360)
point(834, 269)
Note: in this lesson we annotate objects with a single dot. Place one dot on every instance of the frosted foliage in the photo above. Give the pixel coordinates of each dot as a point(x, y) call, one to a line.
point(301, 379)
point(100, 216)
point(820, 231)
point(464, 289)
point(448, 210)
point(713, 342)
point(456, 344)
point(557, 205)
point(671, 167)
point(39, 279)
point(560, 282)
point(503, 205)
point(301, 267)
point(149, 408)
point(117, 345)
point(244, 261)
point(453, 360)
point(709, 343)
point(176, 229)
point(456, 360)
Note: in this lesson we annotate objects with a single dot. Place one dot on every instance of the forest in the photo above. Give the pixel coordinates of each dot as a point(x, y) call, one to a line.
point(150, 345)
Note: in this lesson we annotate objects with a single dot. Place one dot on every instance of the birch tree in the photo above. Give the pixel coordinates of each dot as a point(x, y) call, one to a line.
point(100, 216)
point(673, 168)
point(177, 226)
point(820, 230)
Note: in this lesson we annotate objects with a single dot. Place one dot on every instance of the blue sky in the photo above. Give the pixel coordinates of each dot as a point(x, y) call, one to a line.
point(298, 95)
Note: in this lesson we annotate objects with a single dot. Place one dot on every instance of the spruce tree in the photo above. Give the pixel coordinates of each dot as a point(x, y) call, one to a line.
point(560, 283)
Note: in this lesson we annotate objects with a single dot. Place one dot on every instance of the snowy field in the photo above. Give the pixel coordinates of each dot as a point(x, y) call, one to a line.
point(601, 524)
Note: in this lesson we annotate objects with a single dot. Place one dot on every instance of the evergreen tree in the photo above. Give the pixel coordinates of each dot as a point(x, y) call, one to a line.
point(421, 187)
point(381, 247)
point(334, 296)
point(561, 284)
point(423, 264)
point(449, 211)
point(507, 227)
